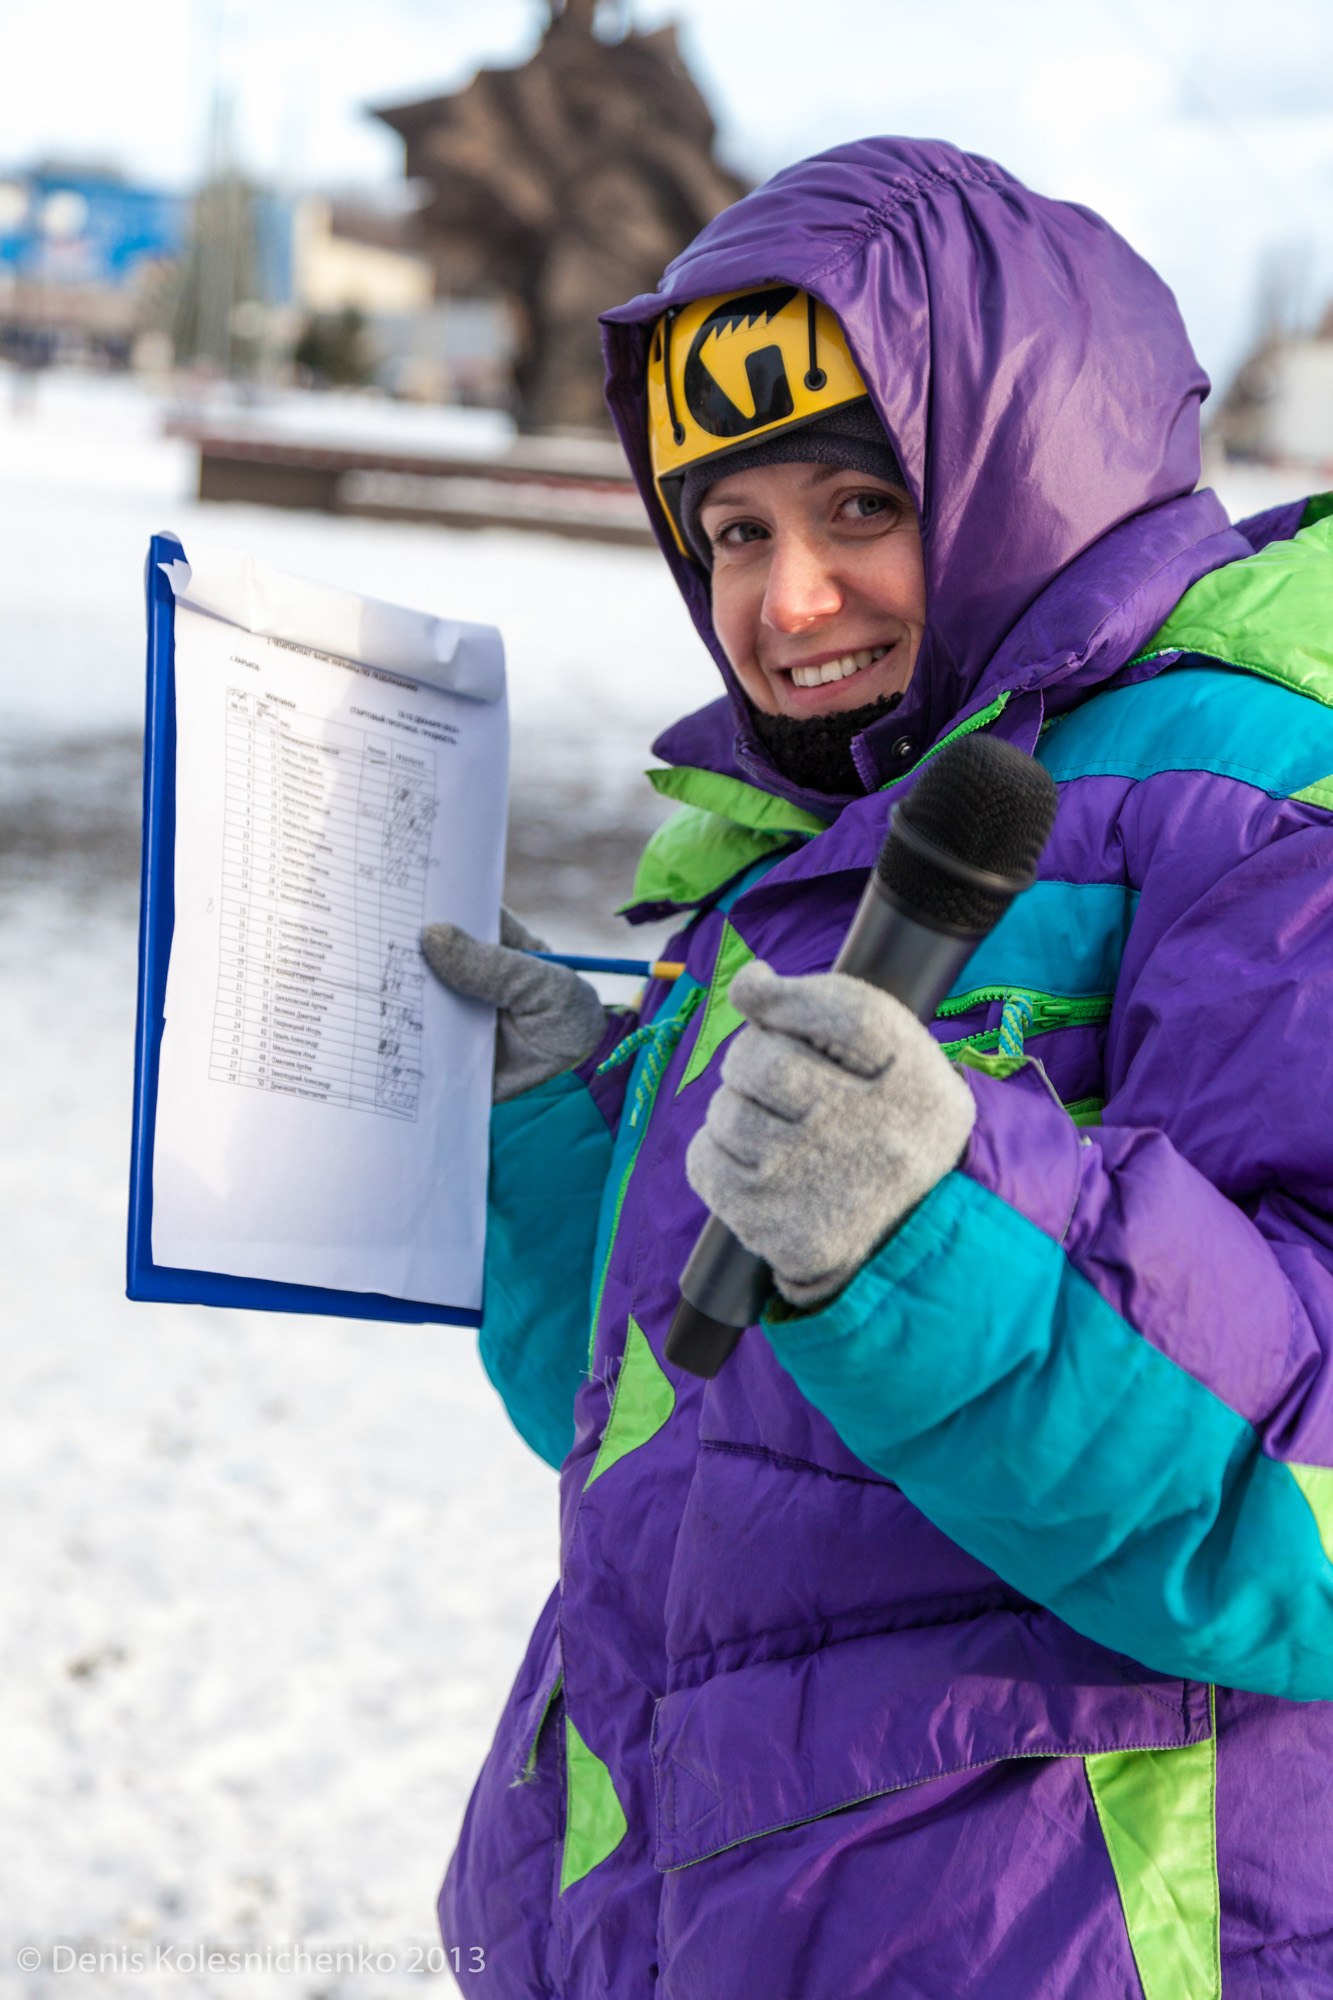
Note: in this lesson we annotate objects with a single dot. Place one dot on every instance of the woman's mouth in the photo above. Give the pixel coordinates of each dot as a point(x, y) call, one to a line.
point(840, 669)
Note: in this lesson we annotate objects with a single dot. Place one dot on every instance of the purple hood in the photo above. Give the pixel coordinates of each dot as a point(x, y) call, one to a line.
point(1038, 386)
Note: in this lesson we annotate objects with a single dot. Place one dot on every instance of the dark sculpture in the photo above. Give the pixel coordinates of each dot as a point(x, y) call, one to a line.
point(564, 186)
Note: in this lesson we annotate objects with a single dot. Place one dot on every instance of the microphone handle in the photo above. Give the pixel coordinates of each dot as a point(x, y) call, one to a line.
point(890, 950)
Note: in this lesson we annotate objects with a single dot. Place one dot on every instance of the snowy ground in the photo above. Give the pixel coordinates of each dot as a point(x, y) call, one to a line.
point(267, 1579)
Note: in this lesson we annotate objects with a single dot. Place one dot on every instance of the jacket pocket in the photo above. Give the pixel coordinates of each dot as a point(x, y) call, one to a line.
point(909, 1813)
point(534, 1708)
point(784, 1741)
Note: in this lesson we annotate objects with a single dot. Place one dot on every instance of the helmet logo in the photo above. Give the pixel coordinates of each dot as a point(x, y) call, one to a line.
point(731, 385)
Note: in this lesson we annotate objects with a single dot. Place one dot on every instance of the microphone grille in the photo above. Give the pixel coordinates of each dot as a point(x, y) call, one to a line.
point(985, 805)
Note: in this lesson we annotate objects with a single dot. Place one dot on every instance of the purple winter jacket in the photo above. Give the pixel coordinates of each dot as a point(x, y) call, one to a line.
point(973, 1637)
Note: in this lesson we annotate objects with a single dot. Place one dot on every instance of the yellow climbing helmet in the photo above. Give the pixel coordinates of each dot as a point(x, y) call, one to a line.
point(725, 371)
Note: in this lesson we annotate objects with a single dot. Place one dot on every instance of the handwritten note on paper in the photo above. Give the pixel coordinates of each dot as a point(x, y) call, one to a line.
point(323, 1104)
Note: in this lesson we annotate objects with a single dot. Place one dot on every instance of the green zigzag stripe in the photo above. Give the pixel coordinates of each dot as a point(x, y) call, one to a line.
point(1158, 1814)
point(643, 1401)
point(1316, 795)
point(720, 1017)
point(595, 1822)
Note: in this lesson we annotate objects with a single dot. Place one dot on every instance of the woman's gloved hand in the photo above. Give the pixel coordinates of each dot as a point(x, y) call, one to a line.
point(836, 1114)
point(548, 1018)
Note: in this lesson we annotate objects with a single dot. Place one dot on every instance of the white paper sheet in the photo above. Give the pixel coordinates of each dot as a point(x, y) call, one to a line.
point(323, 1103)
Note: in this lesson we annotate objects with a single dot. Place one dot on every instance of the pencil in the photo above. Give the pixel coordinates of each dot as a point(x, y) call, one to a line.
point(641, 968)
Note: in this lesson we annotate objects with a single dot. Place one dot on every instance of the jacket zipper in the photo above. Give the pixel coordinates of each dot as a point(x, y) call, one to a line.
point(659, 1039)
point(1048, 1010)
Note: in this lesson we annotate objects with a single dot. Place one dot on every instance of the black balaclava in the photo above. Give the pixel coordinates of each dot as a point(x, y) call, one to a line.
point(814, 752)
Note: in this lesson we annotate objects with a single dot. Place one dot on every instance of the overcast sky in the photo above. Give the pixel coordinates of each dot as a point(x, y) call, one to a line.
point(1203, 129)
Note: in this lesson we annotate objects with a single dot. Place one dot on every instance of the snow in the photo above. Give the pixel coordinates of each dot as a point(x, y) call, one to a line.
point(355, 419)
point(268, 1578)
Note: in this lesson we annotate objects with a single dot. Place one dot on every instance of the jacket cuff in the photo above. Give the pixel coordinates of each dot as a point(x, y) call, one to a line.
point(1025, 1148)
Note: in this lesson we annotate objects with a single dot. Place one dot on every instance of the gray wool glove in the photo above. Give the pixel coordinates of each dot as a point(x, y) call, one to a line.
point(836, 1114)
point(548, 1019)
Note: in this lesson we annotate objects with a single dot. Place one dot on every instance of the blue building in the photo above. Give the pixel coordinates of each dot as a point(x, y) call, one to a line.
point(86, 229)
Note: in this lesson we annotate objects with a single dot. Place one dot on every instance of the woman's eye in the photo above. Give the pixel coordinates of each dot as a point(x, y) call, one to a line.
point(866, 506)
point(735, 533)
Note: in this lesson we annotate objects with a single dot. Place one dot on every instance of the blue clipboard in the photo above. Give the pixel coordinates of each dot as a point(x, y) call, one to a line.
point(144, 1278)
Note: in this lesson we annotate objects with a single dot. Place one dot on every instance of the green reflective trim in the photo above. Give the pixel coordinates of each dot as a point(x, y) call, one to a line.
point(1197, 718)
point(595, 1822)
point(1317, 508)
point(643, 1401)
point(526, 1775)
point(1316, 1484)
point(1158, 1813)
point(1269, 613)
point(733, 799)
point(720, 1017)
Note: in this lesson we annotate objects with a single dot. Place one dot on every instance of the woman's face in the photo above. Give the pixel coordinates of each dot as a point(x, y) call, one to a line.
point(819, 588)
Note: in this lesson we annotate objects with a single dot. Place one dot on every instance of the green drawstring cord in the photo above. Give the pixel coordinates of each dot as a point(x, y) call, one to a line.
point(659, 1038)
point(1014, 1024)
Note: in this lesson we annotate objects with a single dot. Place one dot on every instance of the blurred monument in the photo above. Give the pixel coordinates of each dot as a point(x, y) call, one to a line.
point(562, 187)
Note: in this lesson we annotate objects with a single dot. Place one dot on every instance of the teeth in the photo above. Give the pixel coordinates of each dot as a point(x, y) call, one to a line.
point(837, 670)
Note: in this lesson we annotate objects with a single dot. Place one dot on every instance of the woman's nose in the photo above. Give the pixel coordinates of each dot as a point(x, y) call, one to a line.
point(802, 588)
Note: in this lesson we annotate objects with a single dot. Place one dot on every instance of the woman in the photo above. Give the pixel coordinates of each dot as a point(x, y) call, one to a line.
point(971, 1634)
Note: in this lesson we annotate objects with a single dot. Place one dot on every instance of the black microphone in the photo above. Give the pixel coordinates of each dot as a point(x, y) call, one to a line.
point(960, 847)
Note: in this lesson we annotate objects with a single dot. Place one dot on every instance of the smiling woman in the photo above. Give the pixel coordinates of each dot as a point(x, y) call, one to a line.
point(960, 1634)
point(807, 529)
point(819, 599)
point(819, 590)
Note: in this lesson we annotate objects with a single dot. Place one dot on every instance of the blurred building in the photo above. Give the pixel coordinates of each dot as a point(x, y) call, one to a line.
point(560, 187)
point(1279, 408)
point(347, 254)
point(80, 253)
point(356, 255)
